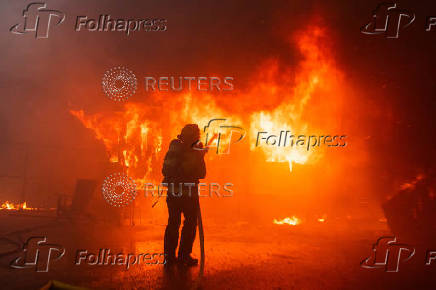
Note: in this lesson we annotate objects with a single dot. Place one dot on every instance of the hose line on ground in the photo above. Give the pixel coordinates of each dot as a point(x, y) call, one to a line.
point(197, 283)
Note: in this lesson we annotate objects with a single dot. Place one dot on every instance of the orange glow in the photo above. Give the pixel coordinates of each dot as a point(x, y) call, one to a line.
point(305, 95)
point(303, 98)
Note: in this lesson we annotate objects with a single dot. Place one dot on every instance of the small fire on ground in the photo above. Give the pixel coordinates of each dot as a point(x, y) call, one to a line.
point(14, 206)
point(293, 221)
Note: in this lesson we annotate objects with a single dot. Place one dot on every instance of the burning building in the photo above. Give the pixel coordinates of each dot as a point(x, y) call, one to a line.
point(323, 134)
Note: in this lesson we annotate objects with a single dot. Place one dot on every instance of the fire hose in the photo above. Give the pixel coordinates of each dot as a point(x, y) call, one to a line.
point(197, 283)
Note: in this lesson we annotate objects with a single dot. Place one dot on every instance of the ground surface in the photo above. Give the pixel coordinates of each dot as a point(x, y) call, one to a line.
point(239, 255)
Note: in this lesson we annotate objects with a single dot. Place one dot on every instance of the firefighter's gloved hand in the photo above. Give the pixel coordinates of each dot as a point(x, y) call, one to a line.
point(199, 147)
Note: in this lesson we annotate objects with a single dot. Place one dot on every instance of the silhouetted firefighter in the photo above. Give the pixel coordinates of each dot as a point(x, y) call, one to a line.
point(183, 167)
point(412, 211)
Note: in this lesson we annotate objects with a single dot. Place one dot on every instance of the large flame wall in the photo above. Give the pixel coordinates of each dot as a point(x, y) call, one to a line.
point(310, 98)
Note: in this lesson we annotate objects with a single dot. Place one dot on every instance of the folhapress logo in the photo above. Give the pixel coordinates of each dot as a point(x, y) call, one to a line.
point(38, 20)
point(38, 254)
point(220, 137)
point(387, 254)
point(388, 19)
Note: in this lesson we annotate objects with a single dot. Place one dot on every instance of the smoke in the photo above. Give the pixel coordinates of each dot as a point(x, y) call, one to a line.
point(384, 107)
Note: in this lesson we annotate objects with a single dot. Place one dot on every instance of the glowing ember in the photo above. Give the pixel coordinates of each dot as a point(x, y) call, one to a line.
point(322, 219)
point(293, 221)
point(412, 184)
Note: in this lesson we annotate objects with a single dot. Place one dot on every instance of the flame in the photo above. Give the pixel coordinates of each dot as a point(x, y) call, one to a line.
point(316, 72)
point(273, 124)
point(134, 138)
point(7, 205)
point(293, 221)
point(131, 140)
point(15, 206)
point(134, 135)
